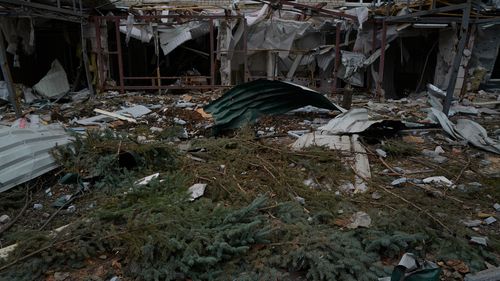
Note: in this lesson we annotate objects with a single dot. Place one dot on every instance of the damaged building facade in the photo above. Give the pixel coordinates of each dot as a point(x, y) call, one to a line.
point(389, 51)
point(249, 140)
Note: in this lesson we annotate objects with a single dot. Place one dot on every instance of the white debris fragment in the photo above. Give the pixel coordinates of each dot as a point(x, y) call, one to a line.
point(399, 170)
point(147, 179)
point(179, 121)
point(439, 150)
point(300, 200)
point(297, 133)
point(71, 209)
point(490, 220)
point(184, 104)
point(37, 206)
point(310, 183)
point(156, 129)
point(347, 187)
point(381, 153)
point(197, 190)
point(479, 240)
point(376, 195)
point(359, 219)
point(472, 223)
point(440, 180)
point(4, 218)
point(399, 181)
point(497, 207)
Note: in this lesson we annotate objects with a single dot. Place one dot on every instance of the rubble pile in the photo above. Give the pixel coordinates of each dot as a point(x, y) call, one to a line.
point(265, 140)
point(146, 170)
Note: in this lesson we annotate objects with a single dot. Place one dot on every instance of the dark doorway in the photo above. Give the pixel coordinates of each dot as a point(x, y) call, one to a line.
point(410, 64)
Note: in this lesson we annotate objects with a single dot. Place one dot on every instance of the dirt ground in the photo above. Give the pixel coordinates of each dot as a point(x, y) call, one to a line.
point(239, 167)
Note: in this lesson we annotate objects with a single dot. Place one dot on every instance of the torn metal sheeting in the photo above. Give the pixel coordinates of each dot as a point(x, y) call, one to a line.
point(357, 121)
point(247, 102)
point(172, 38)
point(467, 130)
point(24, 153)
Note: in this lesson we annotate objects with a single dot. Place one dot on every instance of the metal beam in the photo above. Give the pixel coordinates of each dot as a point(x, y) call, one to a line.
point(8, 78)
point(464, 28)
point(426, 13)
point(71, 11)
point(381, 63)
point(319, 10)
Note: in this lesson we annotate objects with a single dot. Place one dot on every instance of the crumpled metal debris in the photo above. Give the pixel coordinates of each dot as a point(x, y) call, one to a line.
point(24, 153)
point(411, 269)
point(466, 129)
point(357, 120)
point(245, 103)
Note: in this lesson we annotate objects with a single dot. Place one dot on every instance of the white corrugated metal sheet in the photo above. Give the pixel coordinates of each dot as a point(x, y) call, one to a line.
point(24, 153)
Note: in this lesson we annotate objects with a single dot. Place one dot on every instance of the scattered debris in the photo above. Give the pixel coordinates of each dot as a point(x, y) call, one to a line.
point(438, 180)
point(71, 209)
point(147, 179)
point(135, 111)
point(473, 223)
point(497, 207)
point(489, 274)
point(376, 195)
point(196, 190)
point(490, 220)
point(468, 130)
point(381, 153)
point(4, 219)
point(409, 268)
point(359, 219)
point(115, 115)
point(399, 181)
point(479, 240)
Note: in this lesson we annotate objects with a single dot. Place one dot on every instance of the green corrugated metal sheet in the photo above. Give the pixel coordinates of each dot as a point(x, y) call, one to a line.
point(247, 102)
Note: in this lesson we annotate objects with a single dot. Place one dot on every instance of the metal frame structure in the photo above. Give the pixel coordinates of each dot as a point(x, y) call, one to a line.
point(465, 8)
point(213, 53)
point(16, 8)
point(98, 20)
point(61, 11)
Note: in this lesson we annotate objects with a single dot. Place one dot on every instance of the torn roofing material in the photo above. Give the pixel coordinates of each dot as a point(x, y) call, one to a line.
point(356, 120)
point(24, 153)
point(247, 102)
point(467, 130)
